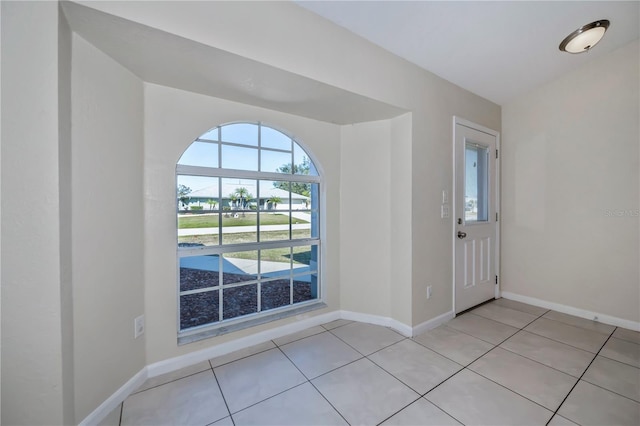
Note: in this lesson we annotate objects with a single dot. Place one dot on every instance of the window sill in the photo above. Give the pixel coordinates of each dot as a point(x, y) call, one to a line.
point(220, 329)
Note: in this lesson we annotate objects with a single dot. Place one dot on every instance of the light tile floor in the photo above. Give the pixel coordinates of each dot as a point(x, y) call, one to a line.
point(504, 363)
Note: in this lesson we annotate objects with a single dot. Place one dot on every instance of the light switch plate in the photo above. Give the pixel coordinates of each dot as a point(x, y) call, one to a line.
point(444, 211)
point(445, 196)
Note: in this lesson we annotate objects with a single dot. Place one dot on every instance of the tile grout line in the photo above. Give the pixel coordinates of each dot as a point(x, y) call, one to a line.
point(581, 376)
point(224, 399)
point(314, 386)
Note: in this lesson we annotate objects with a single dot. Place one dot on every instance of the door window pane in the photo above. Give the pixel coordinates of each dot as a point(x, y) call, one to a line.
point(476, 158)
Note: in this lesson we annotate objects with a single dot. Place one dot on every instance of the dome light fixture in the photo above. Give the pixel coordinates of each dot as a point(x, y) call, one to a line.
point(585, 37)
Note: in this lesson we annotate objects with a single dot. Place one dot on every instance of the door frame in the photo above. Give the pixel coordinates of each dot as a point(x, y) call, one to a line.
point(458, 120)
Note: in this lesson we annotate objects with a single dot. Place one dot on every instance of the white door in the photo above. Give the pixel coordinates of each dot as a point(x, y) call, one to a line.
point(475, 217)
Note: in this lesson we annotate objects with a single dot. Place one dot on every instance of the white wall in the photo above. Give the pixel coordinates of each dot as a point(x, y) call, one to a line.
point(107, 226)
point(35, 386)
point(173, 120)
point(570, 195)
point(364, 218)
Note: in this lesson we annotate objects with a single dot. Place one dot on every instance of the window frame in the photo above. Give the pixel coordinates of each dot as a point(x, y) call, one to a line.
point(223, 326)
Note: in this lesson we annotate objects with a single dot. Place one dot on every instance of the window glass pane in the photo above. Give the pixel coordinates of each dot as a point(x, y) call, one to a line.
point(476, 183)
point(197, 194)
point(274, 294)
point(238, 301)
point(271, 138)
point(239, 206)
point(305, 287)
point(303, 163)
point(198, 272)
point(274, 216)
point(211, 135)
point(242, 133)
point(239, 158)
point(198, 230)
point(199, 309)
point(239, 267)
point(203, 154)
point(275, 161)
point(275, 262)
point(305, 259)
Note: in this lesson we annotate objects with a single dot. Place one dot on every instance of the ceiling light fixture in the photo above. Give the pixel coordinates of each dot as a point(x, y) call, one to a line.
point(585, 37)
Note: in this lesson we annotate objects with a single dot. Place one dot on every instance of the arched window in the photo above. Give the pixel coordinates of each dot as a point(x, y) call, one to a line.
point(248, 199)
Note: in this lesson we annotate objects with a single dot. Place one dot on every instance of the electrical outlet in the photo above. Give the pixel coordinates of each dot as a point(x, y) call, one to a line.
point(429, 292)
point(138, 326)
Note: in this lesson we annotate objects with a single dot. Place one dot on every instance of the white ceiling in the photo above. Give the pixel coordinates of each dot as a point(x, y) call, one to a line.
point(497, 50)
point(159, 57)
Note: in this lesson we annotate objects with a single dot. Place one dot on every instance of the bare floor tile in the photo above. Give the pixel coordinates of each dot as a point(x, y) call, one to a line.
point(482, 328)
point(475, 400)
point(519, 306)
point(628, 335)
point(553, 354)
point(258, 377)
point(537, 382)
point(623, 351)
point(504, 315)
point(590, 405)
point(335, 324)
point(558, 420)
point(302, 405)
point(578, 337)
point(423, 413)
point(580, 322)
point(367, 338)
point(193, 400)
point(364, 393)
point(416, 366)
point(319, 354)
point(615, 376)
point(454, 344)
point(242, 353)
point(175, 375)
point(299, 335)
point(224, 422)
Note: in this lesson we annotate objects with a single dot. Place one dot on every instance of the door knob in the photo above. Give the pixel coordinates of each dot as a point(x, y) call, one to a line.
point(462, 235)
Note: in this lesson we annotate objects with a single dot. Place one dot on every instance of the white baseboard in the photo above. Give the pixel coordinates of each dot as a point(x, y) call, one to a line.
point(570, 310)
point(186, 360)
point(115, 399)
point(398, 326)
point(433, 323)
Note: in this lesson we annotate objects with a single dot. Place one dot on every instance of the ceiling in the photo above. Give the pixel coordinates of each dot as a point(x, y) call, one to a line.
point(159, 57)
point(498, 50)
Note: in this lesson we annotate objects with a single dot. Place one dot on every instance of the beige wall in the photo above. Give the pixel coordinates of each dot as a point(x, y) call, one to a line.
point(570, 195)
point(107, 227)
point(364, 218)
point(173, 119)
point(35, 384)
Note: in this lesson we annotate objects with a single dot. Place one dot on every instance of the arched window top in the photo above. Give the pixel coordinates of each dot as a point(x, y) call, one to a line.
point(250, 147)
